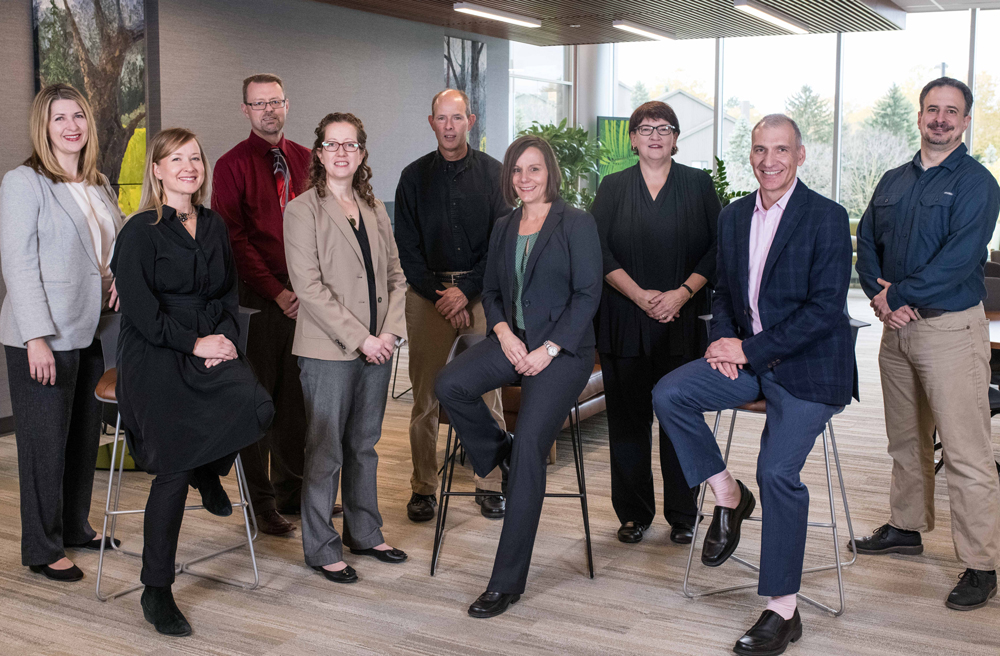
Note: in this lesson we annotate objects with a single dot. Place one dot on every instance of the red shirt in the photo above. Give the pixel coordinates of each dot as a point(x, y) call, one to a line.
point(245, 193)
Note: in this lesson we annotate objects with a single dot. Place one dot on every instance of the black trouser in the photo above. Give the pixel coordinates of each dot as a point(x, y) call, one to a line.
point(57, 429)
point(164, 514)
point(546, 400)
point(269, 350)
point(628, 391)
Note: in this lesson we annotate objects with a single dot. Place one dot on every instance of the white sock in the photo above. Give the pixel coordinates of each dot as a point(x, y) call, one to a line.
point(725, 489)
point(783, 605)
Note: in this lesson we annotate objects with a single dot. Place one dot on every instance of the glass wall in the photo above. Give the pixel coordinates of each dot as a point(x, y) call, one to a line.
point(986, 109)
point(681, 74)
point(541, 87)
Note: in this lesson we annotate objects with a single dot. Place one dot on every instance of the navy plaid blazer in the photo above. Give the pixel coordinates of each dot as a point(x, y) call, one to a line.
point(806, 338)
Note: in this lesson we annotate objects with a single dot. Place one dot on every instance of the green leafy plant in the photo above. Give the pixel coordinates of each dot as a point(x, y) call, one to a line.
point(725, 193)
point(577, 156)
point(615, 147)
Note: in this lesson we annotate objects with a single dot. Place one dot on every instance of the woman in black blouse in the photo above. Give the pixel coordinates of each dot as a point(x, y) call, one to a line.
point(188, 399)
point(658, 222)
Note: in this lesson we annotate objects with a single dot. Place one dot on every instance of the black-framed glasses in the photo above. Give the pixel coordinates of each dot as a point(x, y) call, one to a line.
point(259, 105)
point(348, 146)
point(662, 130)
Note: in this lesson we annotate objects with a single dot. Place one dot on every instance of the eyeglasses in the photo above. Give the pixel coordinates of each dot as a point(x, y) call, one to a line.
point(662, 130)
point(259, 105)
point(348, 146)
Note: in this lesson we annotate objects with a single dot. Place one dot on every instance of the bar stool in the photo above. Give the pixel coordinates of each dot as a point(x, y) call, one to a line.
point(395, 372)
point(108, 330)
point(461, 344)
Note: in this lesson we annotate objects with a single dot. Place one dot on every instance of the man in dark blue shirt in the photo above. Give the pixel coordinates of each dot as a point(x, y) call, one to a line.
point(921, 249)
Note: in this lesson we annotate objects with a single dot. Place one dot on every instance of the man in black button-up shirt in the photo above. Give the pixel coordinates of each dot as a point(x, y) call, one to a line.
point(921, 250)
point(446, 204)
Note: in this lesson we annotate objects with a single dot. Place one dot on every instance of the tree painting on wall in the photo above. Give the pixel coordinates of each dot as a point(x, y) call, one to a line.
point(465, 70)
point(98, 46)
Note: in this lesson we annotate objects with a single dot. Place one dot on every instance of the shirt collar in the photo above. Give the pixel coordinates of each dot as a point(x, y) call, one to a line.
point(457, 164)
point(262, 147)
point(950, 162)
point(782, 202)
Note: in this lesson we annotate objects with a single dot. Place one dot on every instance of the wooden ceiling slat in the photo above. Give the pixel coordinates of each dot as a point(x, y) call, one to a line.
point(689, 19)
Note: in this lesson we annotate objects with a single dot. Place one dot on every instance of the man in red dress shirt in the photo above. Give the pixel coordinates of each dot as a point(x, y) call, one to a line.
point(251, 186)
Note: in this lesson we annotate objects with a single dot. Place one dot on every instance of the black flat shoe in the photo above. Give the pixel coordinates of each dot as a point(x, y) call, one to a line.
point(67, 575)
point(491, 604)
point(346, 575)
point(631, 532)
point(95, 544)
point(393, 556)
point(213, 495)
point(770, 635)
point(681, 533)
point(159, 609)
point(723, 535)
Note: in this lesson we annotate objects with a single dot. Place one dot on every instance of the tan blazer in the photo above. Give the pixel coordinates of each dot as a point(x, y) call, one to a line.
point(327, 272)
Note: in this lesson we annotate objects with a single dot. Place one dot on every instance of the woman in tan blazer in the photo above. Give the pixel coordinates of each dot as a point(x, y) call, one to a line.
point(344, 268)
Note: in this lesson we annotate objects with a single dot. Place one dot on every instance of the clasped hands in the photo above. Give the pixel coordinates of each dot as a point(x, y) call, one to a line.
point(525, 363)
point(725, 355)
point(216, 349)
point(662, 306)
point(378, 350)
point(451, 305)
point(894, 319)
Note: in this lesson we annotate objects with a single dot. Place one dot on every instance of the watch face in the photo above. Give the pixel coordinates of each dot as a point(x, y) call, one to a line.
point(553, 351)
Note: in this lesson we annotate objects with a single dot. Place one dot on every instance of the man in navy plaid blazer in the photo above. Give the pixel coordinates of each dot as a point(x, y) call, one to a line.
point(779, 334)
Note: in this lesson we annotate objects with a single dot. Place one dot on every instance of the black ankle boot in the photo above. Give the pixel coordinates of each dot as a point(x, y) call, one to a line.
point(213, 495)
point(159, 609)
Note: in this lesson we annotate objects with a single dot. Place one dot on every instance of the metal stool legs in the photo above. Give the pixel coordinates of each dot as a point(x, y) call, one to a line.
point(395, 374)
point(112, 511)
point(448, 475)
point(828, 445)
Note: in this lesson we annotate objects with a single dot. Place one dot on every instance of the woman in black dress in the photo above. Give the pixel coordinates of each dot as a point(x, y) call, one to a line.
point(658, 223)
point(188, 400)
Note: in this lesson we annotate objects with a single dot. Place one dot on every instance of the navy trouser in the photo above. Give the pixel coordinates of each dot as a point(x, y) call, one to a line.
point(683, 396)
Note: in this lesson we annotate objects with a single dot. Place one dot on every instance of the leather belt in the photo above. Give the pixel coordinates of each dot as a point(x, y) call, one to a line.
point(930, 313)
point(451, 276)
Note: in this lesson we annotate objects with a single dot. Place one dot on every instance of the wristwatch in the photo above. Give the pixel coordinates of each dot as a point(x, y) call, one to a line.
point(551, 349)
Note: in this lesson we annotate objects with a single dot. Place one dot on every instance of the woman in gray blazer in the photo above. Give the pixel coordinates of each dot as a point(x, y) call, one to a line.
point(58, 223)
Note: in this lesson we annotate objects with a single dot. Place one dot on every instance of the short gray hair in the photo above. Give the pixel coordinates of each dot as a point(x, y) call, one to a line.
point(776, 121)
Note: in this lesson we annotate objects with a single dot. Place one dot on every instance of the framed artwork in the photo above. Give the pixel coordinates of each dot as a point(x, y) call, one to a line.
point(465, 70)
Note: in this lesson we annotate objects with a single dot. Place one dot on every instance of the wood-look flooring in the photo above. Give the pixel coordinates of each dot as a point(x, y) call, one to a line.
point(634, 605)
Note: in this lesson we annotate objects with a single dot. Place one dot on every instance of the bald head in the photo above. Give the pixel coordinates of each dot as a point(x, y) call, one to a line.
point(453, 96)
point(451, 120)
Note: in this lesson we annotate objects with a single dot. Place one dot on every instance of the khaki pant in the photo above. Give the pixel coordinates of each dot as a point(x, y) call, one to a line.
point(431, 336)
point(935, 373)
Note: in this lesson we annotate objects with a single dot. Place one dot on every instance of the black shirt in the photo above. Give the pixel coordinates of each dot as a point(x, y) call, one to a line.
point(366, 254)
point(444, 216)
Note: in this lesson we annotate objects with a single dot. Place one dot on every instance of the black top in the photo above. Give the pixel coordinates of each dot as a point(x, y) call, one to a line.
point(659, 243)
point(927, 232)
point(366, 253)
point(177, 413)
point(444, 215)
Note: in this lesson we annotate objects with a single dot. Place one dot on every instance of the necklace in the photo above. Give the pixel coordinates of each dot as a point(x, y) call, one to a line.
point(184, 216)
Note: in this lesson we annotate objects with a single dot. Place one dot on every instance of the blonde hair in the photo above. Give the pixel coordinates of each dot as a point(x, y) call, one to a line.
point(165, 142)
point(42, 159)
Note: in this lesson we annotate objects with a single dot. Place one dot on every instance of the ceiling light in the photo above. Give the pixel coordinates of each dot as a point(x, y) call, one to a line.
point(496, 14)
point(772, 16)
point(642, 30)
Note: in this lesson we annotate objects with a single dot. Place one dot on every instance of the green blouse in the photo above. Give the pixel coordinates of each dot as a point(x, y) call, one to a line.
point(521, 253)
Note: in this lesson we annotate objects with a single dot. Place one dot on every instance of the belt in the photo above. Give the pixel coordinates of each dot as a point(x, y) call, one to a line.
point(451, 276)
point(930, 313)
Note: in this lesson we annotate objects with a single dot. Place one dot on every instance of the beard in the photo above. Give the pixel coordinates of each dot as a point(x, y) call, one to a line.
point(271, 124)
point(943, 139)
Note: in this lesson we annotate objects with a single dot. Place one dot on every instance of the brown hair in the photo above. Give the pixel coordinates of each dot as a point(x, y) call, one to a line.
point(42, 159)
point(948, 82)
point(514, 152)
point(165, 142)
point(654, 109)
point(362, 176)
point(464, 96)
point(261, 78)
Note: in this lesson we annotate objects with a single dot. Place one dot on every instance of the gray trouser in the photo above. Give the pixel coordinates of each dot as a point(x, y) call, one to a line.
point(345, 404)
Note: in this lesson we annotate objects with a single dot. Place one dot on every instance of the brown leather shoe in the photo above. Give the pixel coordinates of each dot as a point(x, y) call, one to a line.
point(272, 523)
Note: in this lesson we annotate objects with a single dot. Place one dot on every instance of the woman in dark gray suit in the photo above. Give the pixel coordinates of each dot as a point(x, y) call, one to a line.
point(58, 223)
point(541, 291)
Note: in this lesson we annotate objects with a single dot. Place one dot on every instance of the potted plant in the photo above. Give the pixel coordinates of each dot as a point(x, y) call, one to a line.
point(577, 156)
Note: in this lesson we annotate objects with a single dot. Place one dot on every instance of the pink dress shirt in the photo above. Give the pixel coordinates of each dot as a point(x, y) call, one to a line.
point(763, 227)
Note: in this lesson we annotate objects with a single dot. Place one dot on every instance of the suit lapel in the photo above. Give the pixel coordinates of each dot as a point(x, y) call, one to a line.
point(743, 220)
point(551, 222)
point(332, 209)
point(111, 204)
point(789, 219)
point(70, 206)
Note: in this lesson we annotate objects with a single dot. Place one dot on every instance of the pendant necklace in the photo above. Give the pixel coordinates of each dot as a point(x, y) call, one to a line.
point(184, 216)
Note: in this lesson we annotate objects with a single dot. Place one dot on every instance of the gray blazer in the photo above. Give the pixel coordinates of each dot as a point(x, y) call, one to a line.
point(49, 266)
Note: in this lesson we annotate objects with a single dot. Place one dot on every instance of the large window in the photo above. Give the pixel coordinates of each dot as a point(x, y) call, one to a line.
point(986, 110)
point(541, 87)
point(681, 74)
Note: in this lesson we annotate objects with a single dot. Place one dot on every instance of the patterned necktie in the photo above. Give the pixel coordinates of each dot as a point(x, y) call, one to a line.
point(281, 177)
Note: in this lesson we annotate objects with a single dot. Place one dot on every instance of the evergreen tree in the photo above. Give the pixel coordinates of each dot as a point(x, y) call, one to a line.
point(737, 157)
point(896, 115)
point(812, 113)
point(640, 94)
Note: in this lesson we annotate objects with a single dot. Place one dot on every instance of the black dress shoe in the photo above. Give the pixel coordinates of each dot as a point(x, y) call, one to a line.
point(95, 544)
point(888, 539)
point(723, 535)
point(213, 495)
point(72, 573)
point(491, 604)
point(770, 635)
point(974, 590)
point(346, 575)
point(393, 556)
point(631, 532)
point(159, 609)
point(491, 506)
point(681, 533)
point(421, 507)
